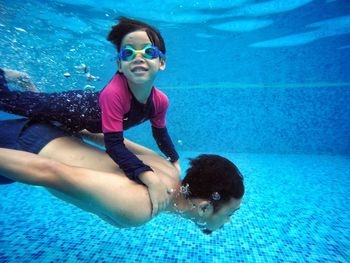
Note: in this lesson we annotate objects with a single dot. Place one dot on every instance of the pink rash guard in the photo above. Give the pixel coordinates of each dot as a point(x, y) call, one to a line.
point(120, 110)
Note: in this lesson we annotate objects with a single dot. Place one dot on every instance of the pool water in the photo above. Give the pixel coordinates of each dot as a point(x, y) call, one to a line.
point(263, 83)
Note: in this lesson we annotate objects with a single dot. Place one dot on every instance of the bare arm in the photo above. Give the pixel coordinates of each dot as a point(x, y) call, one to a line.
point(107, 194)
point(26, 167)
point(32, 169)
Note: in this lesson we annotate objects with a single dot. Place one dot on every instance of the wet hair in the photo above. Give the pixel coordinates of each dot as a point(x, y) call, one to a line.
point(210, 175)
point(127, 25)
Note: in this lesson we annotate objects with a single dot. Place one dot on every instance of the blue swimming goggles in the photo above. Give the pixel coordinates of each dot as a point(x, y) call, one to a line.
point(150, 52)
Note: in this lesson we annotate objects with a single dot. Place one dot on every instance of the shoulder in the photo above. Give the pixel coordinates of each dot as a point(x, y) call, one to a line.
point(117, 85)
point(117, 88)
point(159, 98)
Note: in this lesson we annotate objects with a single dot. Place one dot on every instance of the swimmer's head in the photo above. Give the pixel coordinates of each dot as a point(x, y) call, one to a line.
point(214, 178)
point(214, 185)
point(126, 26)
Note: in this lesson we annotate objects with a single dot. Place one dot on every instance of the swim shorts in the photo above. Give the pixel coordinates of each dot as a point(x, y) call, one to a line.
point(27, 135)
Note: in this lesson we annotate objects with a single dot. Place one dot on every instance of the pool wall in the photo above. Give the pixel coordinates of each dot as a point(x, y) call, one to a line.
point(274, 119)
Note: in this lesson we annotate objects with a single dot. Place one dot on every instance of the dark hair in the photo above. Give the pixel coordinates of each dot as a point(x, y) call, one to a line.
point(210, 174)
point(127, 25)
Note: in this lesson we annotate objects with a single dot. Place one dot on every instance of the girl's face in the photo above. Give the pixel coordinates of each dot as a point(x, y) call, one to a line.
point(139, 70)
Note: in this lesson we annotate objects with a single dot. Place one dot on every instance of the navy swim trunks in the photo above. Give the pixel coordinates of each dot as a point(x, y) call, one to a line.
point(26, 135)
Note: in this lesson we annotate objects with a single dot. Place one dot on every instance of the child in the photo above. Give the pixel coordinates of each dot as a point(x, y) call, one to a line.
point(127, 100)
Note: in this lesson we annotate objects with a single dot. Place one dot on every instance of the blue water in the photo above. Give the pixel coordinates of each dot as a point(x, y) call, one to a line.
point(264, 83)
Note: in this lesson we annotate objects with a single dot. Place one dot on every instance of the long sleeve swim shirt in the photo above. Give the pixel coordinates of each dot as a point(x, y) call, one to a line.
point(120, 110)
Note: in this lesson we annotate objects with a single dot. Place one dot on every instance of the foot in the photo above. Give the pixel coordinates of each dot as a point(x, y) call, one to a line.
point(22, 79)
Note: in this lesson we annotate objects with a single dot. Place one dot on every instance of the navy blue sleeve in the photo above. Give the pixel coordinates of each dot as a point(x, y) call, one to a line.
point(127, 161)
point(164, 143)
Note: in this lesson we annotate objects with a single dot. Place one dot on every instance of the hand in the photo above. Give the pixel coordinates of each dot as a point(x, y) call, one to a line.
point(158, 191)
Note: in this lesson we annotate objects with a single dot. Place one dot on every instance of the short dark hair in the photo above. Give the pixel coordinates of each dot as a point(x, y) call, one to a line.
point(127, 25)
point(209, 174)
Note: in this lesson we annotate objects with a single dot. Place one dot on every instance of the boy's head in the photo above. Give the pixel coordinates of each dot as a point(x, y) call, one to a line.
point(214, 178)
point(126, 26)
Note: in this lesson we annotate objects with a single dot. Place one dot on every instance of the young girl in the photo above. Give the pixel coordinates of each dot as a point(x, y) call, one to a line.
point(127, 100)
